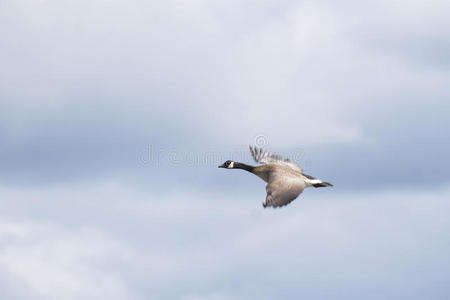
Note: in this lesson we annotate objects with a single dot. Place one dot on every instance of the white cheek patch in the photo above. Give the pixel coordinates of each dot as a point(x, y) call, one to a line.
point(230, 166)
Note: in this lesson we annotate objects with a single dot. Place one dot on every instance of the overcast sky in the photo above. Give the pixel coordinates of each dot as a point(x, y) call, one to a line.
point(115, 114)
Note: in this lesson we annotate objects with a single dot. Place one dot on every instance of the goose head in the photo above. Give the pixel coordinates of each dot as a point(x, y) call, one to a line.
point(229, 164)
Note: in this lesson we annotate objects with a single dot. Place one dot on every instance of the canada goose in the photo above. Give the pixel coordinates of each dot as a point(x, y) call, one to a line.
point(285, 180)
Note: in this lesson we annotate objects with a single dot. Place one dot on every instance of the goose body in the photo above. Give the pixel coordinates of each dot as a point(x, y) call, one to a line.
point(285, 180)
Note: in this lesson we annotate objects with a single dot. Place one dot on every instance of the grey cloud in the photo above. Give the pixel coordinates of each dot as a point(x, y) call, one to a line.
point(356, 93)
point(158, 77)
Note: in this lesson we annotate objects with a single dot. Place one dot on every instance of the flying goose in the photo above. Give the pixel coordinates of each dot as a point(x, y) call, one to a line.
point(285, 180)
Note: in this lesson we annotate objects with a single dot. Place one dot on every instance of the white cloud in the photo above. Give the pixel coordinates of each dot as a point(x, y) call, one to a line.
point(53, 262)
point(131, 241)
point(297, 75)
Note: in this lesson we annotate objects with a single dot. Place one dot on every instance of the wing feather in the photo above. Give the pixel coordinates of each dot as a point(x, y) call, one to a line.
point(282, 190)
point(266, 157)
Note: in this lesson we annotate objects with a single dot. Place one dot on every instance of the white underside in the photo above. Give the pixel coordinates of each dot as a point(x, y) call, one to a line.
point(310, 182)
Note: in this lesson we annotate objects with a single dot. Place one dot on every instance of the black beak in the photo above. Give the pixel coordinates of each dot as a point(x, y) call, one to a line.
point(221, 166)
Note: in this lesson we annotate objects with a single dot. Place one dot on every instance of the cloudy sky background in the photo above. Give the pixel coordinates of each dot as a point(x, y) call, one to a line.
point(115, 114)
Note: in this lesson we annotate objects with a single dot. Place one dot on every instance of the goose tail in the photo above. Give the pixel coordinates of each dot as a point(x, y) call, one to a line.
point(322, 184)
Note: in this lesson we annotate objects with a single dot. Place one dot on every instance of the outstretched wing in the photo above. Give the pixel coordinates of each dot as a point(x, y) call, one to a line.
point(265, 157)
point(283, 190)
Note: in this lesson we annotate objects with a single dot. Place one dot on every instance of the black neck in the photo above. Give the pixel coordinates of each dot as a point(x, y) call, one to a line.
point(238, 165)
